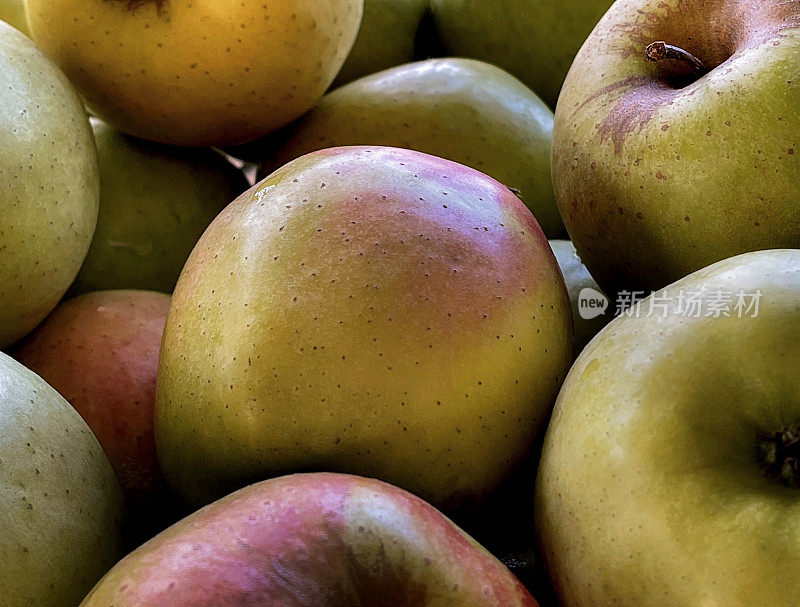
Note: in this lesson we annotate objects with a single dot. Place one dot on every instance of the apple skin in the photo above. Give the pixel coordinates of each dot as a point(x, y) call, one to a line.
point(197, 74)
point(577, 278)
point(654, 182)
point(155, 202)
point(49, 187)
point(368, 310)
point(536, 40)
point(100, 352)
point(312, 540)
point(650, 489)
point(385, 38)
point(13, 13)
point(464, 110)
point(62, 508)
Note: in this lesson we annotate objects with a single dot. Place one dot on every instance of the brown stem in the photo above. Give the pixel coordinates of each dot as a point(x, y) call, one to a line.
point(660, 50)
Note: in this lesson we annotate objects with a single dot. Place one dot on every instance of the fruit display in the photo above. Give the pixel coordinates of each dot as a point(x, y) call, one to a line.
point(669, 471)
point(312, 539)
point(48, 185)
point(321, 318)
point(197, 73)
point(100, 352)
point(460, 109)
point(60, 524)
point(664, 166)
point(155, 203)
point(410, 303)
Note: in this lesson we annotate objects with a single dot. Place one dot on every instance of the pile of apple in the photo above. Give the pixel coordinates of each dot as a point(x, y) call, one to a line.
point(281, 317)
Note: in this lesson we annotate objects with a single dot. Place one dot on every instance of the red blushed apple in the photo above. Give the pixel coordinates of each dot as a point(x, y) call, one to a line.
point(100, 351)
point(312, 540)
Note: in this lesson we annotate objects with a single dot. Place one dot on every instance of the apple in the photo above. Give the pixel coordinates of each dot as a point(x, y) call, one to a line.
point(61, 509)
point(536, 40)
point(369, 310)
point(669, 472)
point(197, 73)
point(155, 202)
point(100, 351)
point(460, 109)
point(591, 308)
point(49, 187)
point(312, 540)
point(385, 38)
point(663, 167)
point(13, 13)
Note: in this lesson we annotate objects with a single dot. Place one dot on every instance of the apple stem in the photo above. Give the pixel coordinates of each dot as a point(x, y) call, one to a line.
point(660, 50)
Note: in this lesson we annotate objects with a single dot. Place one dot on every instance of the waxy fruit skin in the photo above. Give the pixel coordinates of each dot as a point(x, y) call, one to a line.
point(312, 540)
point(375, 311)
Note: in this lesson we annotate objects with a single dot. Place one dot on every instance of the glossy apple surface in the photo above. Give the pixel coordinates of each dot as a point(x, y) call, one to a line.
point(366, 310)
point(659, 171)
point(197, 73)
point(312, 540)
point(49, 187)
point(464, 110)
point(660, 479)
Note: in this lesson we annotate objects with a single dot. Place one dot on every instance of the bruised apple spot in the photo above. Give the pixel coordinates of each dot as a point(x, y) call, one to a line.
point(635, 108)
point(373, 582)
point(623, 85)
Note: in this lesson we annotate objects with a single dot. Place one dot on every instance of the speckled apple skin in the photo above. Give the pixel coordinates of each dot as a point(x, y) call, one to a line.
point(100, 351)
point(49, 188)
point(197, 73)
point(651, 492)
point(654, 182)
point(312, 540)
point(61, 508)
point(464, 110)
point(367, 310)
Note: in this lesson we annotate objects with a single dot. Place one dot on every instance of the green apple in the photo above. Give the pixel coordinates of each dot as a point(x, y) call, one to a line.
point(385, 38)
point(13, 12)
point(219, 73)
point(315, 540)
point(155, 202)
point(591, 308)
point(460, 109)
point(536, 40)
point(61, 507)
point(100, 351)
point(368, 310)
point(661, 168)
point(49, 187)
point(669, 474)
